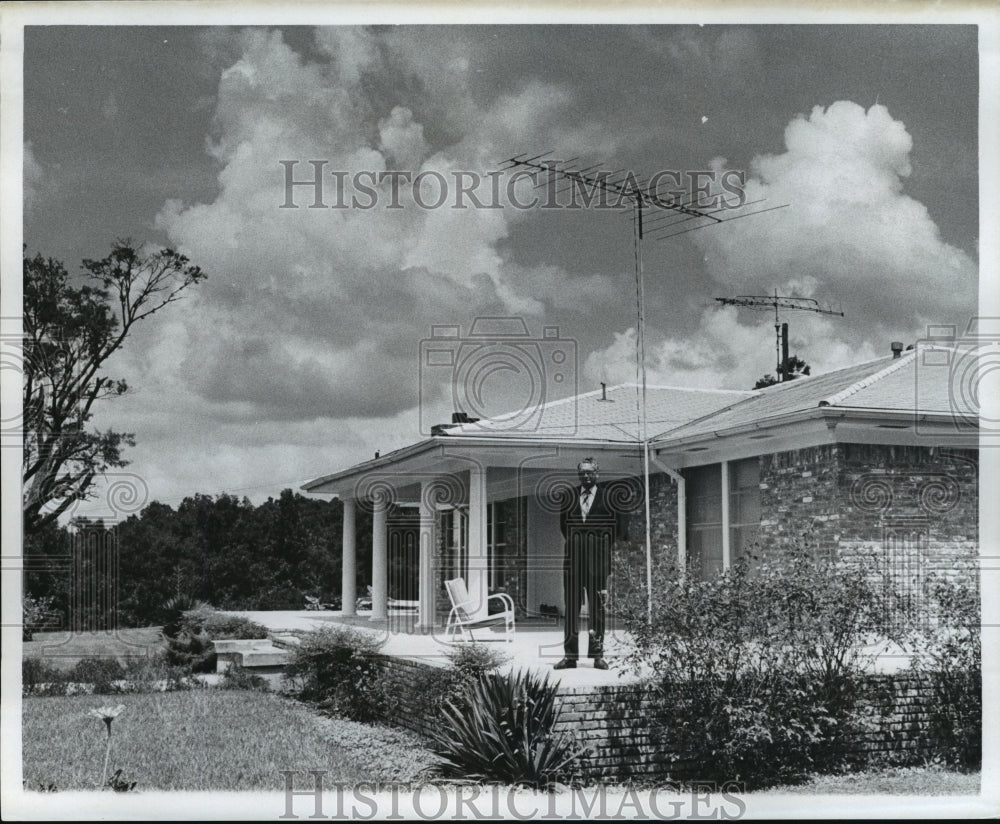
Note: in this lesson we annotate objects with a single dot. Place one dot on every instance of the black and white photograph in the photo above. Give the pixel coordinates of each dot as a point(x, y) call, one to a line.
point(463, 412)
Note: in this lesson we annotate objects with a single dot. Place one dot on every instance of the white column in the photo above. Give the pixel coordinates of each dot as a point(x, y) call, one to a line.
point(478, 581)
point(425, 584)
point(726, 551)
point(349, 568)
point(380, 562)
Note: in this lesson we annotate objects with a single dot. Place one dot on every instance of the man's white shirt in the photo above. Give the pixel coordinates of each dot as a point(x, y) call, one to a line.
point(587, 500)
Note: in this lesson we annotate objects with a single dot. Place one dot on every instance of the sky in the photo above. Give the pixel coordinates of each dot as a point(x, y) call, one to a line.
point(305, 351)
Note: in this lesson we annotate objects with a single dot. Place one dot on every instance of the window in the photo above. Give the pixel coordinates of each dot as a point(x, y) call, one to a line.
point(744, 505)
point(704, 519)
point(707, 521)
point(496, 536)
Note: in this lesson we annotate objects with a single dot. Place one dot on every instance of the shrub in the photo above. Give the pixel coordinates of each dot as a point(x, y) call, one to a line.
point(39, 677)
point(37, 613)
point(757, 670)
point(501, 729)
point(221, 626)
point(240, 678)
point(102, 673)
point(337, 668)
point(190, 630)
point(474, 660)
point(950, 657)
point(432, 687)
point(154, 673)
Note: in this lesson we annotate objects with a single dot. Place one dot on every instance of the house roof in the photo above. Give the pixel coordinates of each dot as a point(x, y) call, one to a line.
point(611, 416)
point(886, 385)
point(919, 381)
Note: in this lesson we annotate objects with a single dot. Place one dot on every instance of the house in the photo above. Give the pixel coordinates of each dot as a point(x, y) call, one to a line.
point(878, 456)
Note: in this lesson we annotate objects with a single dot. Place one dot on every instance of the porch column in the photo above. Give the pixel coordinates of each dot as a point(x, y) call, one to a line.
point(425, 583)
point(349, 567)
point(478, 582)
point(380, 561)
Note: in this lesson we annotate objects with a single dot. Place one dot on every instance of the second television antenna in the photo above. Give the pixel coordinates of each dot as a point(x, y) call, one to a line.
point(777, 302)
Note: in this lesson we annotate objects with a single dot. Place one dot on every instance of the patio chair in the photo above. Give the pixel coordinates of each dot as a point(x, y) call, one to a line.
point(459, 620)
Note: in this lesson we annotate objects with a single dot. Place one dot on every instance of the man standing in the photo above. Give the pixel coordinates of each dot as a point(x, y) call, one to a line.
point(589, 525)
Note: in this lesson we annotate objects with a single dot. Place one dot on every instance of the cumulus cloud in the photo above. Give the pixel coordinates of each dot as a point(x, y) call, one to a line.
point(318, 314)
point(850, 237)
point(850, 234)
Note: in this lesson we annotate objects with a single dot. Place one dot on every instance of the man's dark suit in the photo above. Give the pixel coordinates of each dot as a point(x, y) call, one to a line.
point(587, 564)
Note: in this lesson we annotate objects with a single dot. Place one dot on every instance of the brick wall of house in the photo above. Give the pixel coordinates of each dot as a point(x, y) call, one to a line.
point(799, 496)
point(626, 732)
point(910, 510)
point(629, 562)
point(915, 508)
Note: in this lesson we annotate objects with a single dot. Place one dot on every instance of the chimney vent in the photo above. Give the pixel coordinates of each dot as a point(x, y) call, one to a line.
point(897, 348)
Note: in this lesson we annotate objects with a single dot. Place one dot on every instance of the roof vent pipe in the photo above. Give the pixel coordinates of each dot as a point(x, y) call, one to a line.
point(897, 348)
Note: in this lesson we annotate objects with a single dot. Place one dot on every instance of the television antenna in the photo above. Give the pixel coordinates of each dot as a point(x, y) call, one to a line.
point(671, 212)
point(777, 302)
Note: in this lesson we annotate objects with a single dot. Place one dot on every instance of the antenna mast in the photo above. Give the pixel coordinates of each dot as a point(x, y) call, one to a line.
point(641, 195)
point(776, 302)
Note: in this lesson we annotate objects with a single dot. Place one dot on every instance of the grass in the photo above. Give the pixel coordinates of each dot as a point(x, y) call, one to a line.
point(207, 740)
point(930, 780)
point(64, 649)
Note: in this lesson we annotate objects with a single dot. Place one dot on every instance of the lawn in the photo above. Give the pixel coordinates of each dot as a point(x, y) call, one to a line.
point(889, 781)
point(207, 739)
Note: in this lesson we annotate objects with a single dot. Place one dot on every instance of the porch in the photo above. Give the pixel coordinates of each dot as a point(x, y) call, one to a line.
point(480, 509)
point(535, 647)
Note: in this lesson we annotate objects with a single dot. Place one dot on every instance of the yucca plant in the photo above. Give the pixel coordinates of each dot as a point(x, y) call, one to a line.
point(501, 729)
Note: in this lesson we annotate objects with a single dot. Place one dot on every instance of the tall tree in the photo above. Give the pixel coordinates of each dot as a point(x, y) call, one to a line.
point(793, 369)
point(70, 330)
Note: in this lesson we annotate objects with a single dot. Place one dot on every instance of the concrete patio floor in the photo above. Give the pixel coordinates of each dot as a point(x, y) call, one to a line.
point(534, 647)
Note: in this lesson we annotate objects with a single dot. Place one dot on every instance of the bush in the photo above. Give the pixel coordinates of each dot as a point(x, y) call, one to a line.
point(501, 729)
point(473, 661)
point(190, 630)
point(949, 655)
point(239, 678)
point(336, 667)
point(37, 613)
point(39, 677)
point(154, 673)
point(102, 673)
point(432, 687)
point(758, 669)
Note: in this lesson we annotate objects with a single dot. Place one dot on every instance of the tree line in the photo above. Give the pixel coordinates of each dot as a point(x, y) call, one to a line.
point(222, 549)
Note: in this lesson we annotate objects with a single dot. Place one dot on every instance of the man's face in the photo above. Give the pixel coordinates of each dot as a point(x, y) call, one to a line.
point(588, 475)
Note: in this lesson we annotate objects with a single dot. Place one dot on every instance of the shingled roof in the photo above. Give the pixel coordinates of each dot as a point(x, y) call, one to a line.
point(609, 416)
point(913, 382)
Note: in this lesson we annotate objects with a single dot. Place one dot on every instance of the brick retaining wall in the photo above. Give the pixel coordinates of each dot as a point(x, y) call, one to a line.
point(623, 727)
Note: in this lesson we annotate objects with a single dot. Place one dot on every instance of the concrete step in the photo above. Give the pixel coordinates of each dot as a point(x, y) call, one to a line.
point(251, 654)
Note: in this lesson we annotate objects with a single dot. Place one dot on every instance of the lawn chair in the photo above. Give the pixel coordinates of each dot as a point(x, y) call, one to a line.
point(459, 620)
